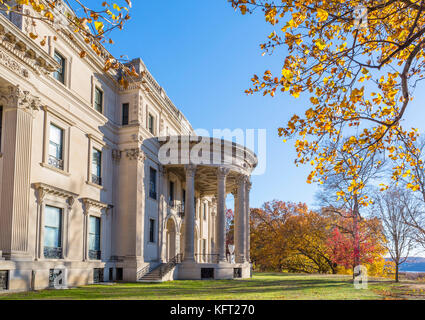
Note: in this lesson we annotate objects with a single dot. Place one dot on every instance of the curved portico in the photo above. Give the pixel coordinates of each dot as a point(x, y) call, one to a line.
point(212, 168)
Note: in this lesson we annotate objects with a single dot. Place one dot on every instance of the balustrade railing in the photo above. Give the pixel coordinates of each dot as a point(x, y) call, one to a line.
point(52, 252)
point(143, 271)
point(55, 162)
point(206, 257)
point(95, 254)
point(167, 267)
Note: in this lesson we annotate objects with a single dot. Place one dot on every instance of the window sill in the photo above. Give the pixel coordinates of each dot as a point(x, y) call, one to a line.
point(96, 185)
point(48, 166)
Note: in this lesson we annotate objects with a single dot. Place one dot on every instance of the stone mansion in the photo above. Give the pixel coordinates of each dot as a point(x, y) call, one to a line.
point(84, 197)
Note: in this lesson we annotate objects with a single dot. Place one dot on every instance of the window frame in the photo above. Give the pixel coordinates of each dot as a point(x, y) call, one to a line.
point(61, 146)
point(151, 129)
point(102, 101)
point(61, 231)
point(171, 192)
point(153, 193)
point(152, 226)
point(127, 107)
point(99, 172)
point(52, 117)
point(94, 254)
point(64, 66)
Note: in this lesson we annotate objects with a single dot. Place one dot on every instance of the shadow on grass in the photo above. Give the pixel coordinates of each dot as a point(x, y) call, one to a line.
point(267, 285)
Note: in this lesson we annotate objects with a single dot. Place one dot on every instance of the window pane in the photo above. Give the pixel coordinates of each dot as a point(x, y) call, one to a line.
point(55, 142)
point(125, 108)
point(52, 227)
point(96, 168)
point(94, 233)
point(152, 183)
point(152, 230)
point(98, 99)
point(60, 72)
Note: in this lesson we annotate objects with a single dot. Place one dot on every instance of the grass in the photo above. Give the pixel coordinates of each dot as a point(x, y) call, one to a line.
point(267, 286)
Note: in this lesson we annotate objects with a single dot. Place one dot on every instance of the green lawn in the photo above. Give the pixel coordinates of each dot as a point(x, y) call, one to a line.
point(261, 286)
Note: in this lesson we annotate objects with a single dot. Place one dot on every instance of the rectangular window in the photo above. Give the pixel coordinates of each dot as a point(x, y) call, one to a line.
point(94, 238)
point(171, 192)
point(152, 183)
point(96, 167)
point(52, 232)
point(56, 147)
point(125, 109)
point(98, 275)
point(205, 211)
point(196, 211)
point(151, 230)
point(151, 124)
point(4, 280)
point(183, 200)
point(1, 123)
point(60, 72)
point(119, 274)
point(98, 99)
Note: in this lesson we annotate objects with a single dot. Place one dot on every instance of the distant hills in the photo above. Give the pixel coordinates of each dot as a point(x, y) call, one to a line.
point(412, 264)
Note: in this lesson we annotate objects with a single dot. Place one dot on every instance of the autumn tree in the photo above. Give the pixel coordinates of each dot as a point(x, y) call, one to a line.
point(343, 198)
point(269, 247)
point(356, 243)
point(359, 62)
point(288, 236)
point(391, 208)
point(93, 22)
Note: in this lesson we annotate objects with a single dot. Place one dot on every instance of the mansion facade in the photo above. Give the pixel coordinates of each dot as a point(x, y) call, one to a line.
point(84, 197)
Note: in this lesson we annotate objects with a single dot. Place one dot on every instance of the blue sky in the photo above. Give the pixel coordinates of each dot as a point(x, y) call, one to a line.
point(204, 53)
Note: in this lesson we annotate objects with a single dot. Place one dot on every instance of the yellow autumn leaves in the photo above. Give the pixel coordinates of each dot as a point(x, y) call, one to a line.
point(356, 77)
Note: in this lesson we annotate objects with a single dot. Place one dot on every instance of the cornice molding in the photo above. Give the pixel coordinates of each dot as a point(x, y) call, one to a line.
point(21, 46)
point(44, 189)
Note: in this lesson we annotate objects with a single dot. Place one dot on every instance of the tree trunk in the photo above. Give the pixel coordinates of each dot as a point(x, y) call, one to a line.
point(396, 273)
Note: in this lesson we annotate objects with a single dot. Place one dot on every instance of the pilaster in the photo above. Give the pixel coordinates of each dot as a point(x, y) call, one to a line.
point(19, 109)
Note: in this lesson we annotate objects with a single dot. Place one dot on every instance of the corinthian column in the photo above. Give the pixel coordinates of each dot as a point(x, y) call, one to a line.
point(19, 108)
point(189, 214)
point(240, 248)
point(221, 213)
point(247, 229)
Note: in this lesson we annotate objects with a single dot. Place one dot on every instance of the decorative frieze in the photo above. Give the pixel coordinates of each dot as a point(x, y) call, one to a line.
point(24, 49)
point(12, 64)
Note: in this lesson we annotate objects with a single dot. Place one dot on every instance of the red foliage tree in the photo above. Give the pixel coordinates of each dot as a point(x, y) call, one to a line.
point(352, 244)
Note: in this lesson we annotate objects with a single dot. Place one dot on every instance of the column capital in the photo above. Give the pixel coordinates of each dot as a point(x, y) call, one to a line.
point(190, 169)
point(16, 98)
point(242, 179)
point(222, 172)
point(135, 154)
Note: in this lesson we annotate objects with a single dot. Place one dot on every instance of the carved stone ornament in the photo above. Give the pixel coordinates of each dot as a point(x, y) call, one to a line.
point(135, 154)
point(45, 189)
point(15, 97)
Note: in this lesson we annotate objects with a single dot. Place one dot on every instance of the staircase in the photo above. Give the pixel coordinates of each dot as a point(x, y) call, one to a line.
point(157, 274)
